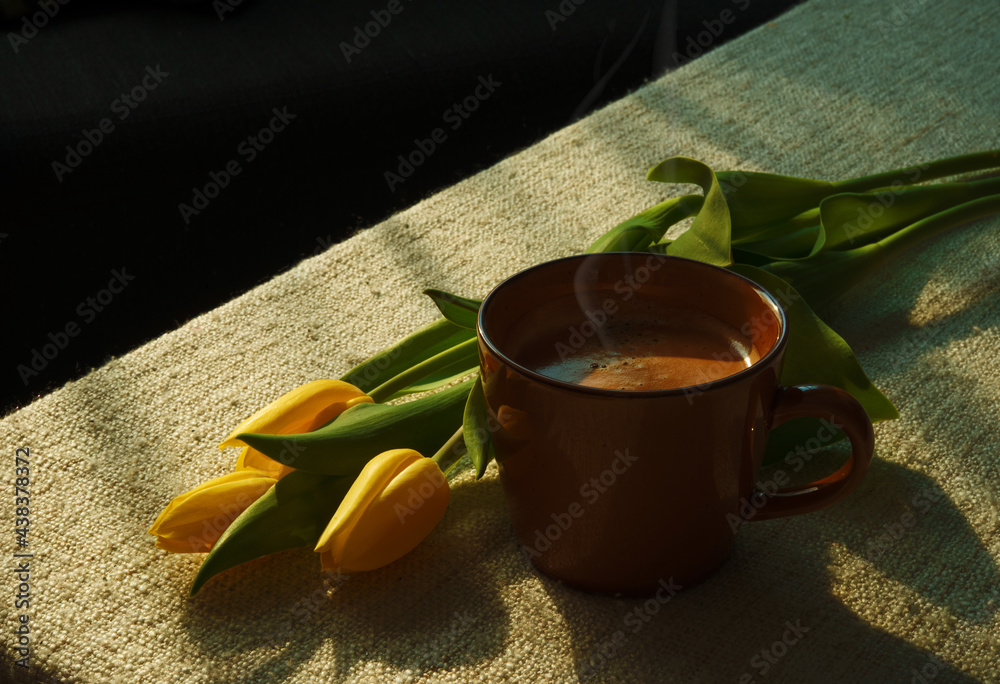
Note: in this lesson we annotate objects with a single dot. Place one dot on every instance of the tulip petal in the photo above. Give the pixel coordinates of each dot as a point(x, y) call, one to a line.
point(303, 409)
point(391, 512)
point(223, 498)
point(194, 520)
point(398, 520)
point(252, 459)
point(180, 498)
point(374, 477)
point(363, 432)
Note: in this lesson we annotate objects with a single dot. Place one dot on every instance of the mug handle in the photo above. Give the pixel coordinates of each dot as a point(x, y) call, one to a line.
point(844, 411)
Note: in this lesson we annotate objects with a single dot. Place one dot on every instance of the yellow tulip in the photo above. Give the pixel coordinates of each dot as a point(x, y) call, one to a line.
point(304, 409)
point(195, 520)
point(397, 500)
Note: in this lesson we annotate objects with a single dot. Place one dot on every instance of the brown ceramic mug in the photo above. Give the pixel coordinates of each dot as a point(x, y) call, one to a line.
point(619, 484)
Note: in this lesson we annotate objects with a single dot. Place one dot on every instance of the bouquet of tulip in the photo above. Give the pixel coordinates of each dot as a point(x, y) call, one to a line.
point(334, 466)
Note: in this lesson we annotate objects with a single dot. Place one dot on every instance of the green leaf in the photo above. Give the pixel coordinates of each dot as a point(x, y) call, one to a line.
point(364, 431)
point(760, 201)
point(828, 274)
point(708, 237)
point(762, 234)
point(760, 204)
point(464, 355)
point(795, 244)
point(642, 230)
point(447, 375)
point(461, 311)
point(855, 219)
point(815, 354)
point(292, 513)
point(852, 219)
point(476, 429)
point(413, 349)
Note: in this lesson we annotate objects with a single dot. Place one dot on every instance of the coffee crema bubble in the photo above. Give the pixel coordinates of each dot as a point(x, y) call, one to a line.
point(647, 347)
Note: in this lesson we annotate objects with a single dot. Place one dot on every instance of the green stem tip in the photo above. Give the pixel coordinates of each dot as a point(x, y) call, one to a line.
point(451, 453)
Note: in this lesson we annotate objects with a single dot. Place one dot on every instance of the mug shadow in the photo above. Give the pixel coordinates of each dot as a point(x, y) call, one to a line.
point(285, 612)
point(789, 581)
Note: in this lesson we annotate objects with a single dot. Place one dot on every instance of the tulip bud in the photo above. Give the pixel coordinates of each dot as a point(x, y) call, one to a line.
point(195, 520)
point(302, 410)
point(396, 501)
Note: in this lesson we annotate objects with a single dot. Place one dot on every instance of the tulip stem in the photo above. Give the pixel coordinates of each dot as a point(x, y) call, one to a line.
point(451, 453)
point(940, 168)
point(423, 369)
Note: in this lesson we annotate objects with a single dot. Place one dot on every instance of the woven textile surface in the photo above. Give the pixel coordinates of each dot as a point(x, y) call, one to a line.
point(897, 583)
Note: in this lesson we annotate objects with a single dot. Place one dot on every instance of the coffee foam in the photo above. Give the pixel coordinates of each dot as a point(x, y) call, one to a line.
point(643, 347)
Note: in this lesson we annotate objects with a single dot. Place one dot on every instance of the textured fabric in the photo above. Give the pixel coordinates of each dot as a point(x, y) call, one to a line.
point(899, 583)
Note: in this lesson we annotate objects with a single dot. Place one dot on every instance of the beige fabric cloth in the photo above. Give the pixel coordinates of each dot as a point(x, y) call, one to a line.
point(832, 89)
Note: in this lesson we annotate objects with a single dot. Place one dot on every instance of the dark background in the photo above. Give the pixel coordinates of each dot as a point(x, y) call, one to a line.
point(318, 181)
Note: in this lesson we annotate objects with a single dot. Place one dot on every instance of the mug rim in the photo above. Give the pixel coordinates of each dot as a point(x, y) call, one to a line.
point(763, 361)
